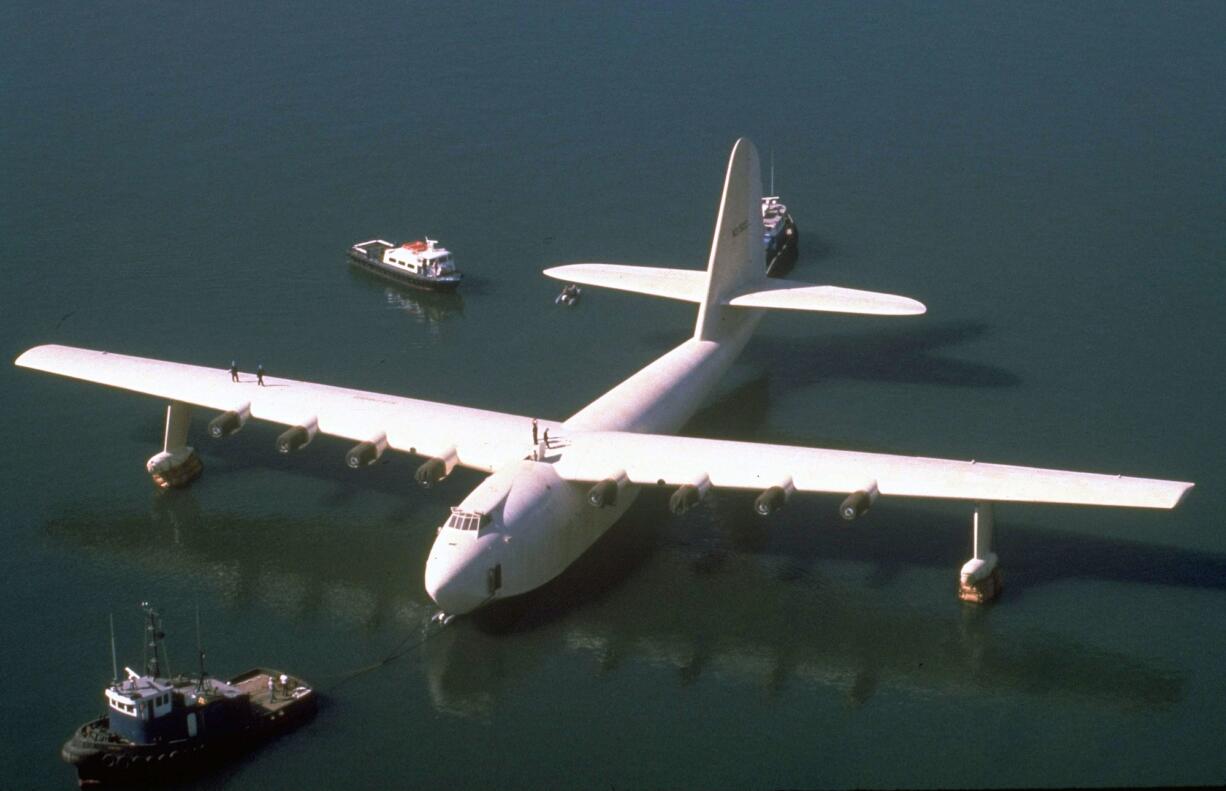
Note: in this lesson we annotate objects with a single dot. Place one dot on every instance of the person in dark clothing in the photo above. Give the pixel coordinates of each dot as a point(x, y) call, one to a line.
point(534, 431)
point(546, 438)
point(233, 371)
point(259, 375)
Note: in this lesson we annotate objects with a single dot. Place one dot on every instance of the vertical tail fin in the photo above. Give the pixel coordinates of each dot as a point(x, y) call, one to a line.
point(737, 257)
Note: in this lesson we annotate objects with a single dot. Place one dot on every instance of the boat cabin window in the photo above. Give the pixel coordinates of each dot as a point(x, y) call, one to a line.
point(124, 707)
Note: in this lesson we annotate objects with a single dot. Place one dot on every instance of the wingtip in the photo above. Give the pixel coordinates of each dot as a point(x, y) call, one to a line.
point(1183, 493)
point(560, 272)
point(896, 305)
point(28, 358)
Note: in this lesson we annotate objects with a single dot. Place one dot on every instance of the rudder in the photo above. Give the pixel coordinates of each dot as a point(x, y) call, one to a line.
point(737, 257)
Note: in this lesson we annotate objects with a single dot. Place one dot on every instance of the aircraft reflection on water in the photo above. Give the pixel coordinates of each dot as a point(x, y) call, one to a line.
point(820, 631)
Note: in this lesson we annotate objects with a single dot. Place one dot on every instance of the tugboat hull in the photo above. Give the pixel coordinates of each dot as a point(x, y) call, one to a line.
point(102, 757)
point(783, 249)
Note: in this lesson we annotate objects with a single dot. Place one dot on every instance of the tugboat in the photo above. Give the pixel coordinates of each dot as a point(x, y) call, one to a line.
point(421, 264)
point(779, 236)
point(159, 727)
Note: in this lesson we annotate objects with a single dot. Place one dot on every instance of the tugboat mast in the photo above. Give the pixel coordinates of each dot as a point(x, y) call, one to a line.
point(114, 656)
point(202, 684)
point(155, 652)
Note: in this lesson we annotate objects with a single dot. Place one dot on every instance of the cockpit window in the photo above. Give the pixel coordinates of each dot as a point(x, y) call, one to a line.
point(464, 520)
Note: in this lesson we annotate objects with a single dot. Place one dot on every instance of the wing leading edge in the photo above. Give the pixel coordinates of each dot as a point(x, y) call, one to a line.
point(482, 439)
point(653, 458)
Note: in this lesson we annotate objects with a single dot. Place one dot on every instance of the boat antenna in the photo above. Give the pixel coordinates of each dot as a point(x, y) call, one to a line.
point(114, 658)
point(202, 684)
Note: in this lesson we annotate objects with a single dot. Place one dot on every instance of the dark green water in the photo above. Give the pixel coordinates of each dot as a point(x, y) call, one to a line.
point(181, 180)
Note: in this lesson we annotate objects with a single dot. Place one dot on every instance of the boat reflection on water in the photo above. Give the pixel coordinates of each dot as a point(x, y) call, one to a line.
point(649, 598)
point(430, 308)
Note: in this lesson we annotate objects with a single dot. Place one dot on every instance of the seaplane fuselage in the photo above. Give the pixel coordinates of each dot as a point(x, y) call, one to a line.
point(539, 524)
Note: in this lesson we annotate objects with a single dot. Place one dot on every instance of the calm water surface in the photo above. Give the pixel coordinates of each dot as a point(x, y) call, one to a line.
point(181, 181)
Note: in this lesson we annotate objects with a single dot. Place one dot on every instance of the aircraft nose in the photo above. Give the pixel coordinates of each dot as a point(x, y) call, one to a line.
point(453, 586)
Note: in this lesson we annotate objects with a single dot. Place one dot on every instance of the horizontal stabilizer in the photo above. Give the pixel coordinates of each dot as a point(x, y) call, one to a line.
point(795, 295)
point(689, 285)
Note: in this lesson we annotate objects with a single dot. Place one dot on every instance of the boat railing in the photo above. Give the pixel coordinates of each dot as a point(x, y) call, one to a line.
point(362, 245)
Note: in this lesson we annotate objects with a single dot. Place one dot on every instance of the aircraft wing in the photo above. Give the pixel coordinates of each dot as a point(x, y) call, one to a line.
point(652, 458)
point(482, 439)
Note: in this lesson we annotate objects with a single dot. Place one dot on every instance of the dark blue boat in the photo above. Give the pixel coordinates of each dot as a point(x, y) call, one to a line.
point(779, 235)
point(158, 727)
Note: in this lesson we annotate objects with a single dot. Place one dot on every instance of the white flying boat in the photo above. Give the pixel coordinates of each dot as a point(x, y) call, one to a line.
point(546, 501)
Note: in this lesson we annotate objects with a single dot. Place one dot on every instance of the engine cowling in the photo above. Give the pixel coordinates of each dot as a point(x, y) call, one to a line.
point(297, 437)
point(292, 440)
point(689, 495)
point(229, 422)
point(603, 494)
point(684, 499)
point(774, 497)
point(364, 454)
point(770, 501)
point(430, 473)
point(858, 503)
point(437, 469)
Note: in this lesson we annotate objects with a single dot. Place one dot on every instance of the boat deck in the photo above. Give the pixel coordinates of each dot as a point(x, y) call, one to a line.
point(276, 698)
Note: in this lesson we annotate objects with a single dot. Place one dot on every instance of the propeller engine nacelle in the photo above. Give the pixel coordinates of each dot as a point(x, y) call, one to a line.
point(229, 422)
point(689, 495)
point(366, 453)
point(605, 492)
point(858, 502)
point(297, 437)
point(773, 498)
point(437, 469)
